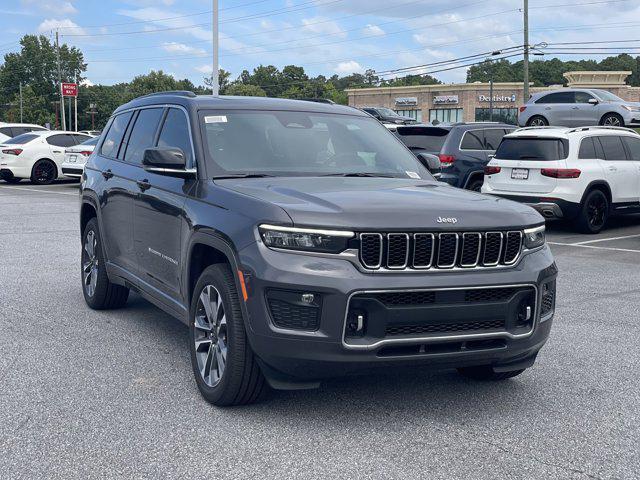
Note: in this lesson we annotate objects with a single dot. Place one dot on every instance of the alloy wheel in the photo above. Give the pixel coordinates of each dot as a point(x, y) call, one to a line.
point(612, 121)
point(44, 172)
point(538, 122)
point(210, 335)
point(596, 210)
point(90, 263)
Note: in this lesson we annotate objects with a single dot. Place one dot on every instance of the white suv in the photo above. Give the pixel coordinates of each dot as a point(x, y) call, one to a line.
point(581, 174)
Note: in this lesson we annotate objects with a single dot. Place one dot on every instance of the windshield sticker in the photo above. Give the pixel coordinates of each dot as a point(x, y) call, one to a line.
point(215, 119)
point(412, 174)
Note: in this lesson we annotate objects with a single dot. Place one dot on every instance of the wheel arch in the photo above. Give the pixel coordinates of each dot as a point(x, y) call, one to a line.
point(55, 165)
point(472, 176)
point(537, 115)
point(602, 185)
point(601, 122)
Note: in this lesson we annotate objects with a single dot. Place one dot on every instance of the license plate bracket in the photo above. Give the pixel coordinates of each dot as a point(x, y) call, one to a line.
point(520, 173)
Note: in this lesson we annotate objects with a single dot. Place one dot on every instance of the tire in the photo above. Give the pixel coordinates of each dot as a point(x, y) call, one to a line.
point(537, 121)
point(594, 212)
point(612, 120)
point(12, 180)
point(487, 373)
point(475, 185)
point(98, 291)
point(44, 172)
point(218, 333)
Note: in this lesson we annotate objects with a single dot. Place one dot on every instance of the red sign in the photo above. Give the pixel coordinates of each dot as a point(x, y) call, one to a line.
point(70, 89)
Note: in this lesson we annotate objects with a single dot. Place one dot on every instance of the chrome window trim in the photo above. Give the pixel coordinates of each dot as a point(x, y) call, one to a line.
point(471, 265)
point(455, 256)
point(433, 248)
point(379, 235)
point(406, 253)
point(441, 338)
point(484, 255)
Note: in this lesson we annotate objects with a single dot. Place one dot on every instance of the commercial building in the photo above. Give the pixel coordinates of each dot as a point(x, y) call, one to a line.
point(470, 102)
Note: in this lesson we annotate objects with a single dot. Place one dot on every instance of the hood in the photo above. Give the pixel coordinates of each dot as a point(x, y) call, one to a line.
point(381, 204)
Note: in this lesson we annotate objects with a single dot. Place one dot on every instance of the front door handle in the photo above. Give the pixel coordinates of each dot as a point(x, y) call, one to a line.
point(547, 108)
point(575, 108)
point(56, 151)
point(613, 169)
point(144, 184)
point(107, 174)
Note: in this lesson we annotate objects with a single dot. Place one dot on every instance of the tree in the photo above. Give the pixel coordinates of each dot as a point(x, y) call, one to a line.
point(245, 90)
point(410, 80)
point(223, 80)
point(35, 108)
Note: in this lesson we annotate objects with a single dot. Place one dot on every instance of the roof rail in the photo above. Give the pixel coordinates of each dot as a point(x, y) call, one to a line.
point(601, 127)
point(179, 93)
point(546, 127)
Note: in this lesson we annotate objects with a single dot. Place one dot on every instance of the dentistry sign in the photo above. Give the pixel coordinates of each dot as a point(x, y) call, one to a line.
point(498, 98)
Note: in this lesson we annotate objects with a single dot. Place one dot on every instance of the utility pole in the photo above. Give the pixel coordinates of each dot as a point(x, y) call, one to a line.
point(75, 102)
point(64, 121)
point(526, 50)
point(21, 103)
point(215, 81)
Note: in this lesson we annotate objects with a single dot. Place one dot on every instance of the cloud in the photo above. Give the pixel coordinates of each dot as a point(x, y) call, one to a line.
point(60, 8)
point(175, 47)
point(87, 83)
point(349, 67)
point(372, 30)
point(164, 18)
point(206, 69)
point(65, 24)
point(322, 25)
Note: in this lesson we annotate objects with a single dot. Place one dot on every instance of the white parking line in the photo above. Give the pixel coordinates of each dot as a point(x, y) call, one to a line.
point(607, 239)
point(594, 247)
point(38, 190)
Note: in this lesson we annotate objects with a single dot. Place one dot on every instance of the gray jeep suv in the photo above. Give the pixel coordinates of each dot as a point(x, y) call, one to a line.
point(300, 240)
point(572, 107)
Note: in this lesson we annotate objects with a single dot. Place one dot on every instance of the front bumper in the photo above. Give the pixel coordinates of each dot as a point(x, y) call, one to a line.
point(326, 351)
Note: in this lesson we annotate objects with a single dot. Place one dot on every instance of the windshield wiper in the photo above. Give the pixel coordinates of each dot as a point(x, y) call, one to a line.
point(242, 175)
point(361, 174)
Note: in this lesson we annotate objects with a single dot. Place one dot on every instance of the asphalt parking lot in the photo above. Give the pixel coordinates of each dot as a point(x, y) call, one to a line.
point(87, 394)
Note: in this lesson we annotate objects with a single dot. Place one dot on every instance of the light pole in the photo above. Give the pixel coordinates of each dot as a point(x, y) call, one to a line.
point(526, 50)
point(215, 81)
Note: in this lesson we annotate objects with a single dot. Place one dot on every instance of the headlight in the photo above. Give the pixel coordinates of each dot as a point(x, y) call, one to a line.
point(631, 108)
point(534, 237)
point(306, 239)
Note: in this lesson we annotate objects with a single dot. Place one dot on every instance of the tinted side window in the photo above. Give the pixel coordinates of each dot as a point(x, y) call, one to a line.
point(175, 133)
point(81, 138)
point(558, 97)
point(143, 134)
point(583, 97)
point(633, 144)
point(6, 131)
point(114, 136)
point(493, 137)
point(472, 140)
point(61, 140)
point(613, 148)
point(587, 148)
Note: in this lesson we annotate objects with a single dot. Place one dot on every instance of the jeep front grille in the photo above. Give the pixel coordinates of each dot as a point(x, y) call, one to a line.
point(442, 251)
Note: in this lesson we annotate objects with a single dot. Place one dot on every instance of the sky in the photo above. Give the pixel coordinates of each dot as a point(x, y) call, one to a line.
point(124, 38)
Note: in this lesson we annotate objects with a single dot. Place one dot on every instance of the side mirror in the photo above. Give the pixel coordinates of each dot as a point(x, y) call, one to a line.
point(593, 101)
point(430, 162)
point(167, 161)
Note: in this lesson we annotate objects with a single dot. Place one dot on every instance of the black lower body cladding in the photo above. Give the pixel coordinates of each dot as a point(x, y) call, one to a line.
point(346, 321)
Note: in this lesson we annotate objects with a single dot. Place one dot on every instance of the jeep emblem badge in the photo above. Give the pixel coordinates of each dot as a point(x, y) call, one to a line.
point(453, 220)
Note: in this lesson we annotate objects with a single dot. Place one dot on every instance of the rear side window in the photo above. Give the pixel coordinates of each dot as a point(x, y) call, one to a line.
point(587, 149)
point(525, 148)
point(613, 147)
point(493, 137)
point(114, 136)
point(81, 138)
point(558, 97)
point(633, 145)
point(62, 140)
point(143, 134)
point(472, 140)
point(175, 133)
point(21, 139)
point(6, 131)
point(420, 138)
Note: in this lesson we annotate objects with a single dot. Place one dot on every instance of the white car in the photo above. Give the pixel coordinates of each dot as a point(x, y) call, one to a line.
point(582, 174)
point(93, 133)
point(10, 130)
point(76, 157)
point(36, 155)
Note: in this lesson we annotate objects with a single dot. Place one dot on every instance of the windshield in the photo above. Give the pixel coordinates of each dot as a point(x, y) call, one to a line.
point(607, 96)
point(280, 143)
point(388, 112)
point(523, 148)
point(91, 141)
point(21, 139)
point(421, 138)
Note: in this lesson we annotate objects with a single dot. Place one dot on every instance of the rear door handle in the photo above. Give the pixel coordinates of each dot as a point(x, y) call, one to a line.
point(144, 184)
point(613, 169)
point(575, 108)
point(107, 174)
point(547, 108)
point(56, 151)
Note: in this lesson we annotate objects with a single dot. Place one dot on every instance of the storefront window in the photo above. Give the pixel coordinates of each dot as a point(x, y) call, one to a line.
point(446, 115)
point(504, 115)
point(415, 114)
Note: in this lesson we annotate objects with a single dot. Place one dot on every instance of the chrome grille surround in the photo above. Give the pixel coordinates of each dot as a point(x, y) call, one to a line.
point(418, 251)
